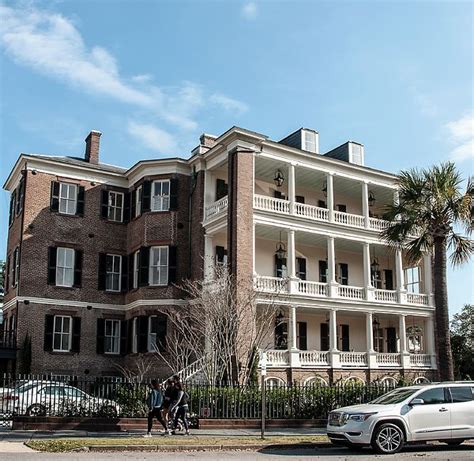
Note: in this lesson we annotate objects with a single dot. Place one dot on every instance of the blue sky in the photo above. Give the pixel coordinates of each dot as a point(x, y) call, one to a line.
point(153, 75)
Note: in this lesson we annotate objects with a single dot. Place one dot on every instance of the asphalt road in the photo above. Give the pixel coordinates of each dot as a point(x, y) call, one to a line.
point(428, 453)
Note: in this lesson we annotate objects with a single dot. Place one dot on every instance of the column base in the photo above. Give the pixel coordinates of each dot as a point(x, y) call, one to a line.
point(335, 359)
point(332, 289)
point(372, 359)
point(369, 293)
point(294, 356)
point(293, 284)
point(402, 296)
point(405, 359)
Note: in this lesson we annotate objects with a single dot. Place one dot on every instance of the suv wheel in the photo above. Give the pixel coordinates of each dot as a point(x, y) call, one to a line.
point(388, 439)
point(36, 410)
point(454, 443)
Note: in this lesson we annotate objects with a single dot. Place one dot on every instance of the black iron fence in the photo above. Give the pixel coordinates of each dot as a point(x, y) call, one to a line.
point(115, 397)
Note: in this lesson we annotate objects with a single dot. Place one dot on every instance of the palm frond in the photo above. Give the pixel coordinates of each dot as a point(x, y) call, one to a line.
point(462, 249)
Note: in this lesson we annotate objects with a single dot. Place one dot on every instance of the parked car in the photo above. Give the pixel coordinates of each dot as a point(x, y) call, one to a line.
point(41, 398)
point(438, 411)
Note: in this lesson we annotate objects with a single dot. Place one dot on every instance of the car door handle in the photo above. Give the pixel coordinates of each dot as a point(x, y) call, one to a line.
point(443, 409)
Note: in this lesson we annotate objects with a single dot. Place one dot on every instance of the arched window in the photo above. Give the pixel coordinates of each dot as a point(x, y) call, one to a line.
point(421, 380)
point(316, 381)
point(389, 382)
point(271, 383)
point(352, 380)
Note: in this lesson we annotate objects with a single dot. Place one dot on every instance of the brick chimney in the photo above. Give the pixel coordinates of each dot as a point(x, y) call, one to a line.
point(207, 140)
point(92, 147)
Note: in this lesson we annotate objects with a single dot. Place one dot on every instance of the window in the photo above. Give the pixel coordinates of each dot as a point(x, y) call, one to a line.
point(158, 274)
point(309, 141)
point(115, 206)
point(138, 201)
point(302, 336)
point(156, 333)
point(67, 198)
point(160, 200)
point(433, 396)
point(461, 394)
point(357, 154)
point(378, 339)
point(376, 277)
point(15, 266)
point(136, 268)
point(11, 216)
point(62, 333)
point(412, 279)
point(316, 381)
point(271, 383)
point(65, 267)
point(343, 275)
point(135, 335)
point(112, 337)
point(113, 264)
point(421, 380)
point(414, 339)
point(20, 196)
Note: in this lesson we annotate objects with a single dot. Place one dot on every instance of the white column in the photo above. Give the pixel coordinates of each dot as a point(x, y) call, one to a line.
point(400, 277)
point(369, 332)
point(207, 190)
point(254, 270)
point(292, 327)
point(427, 278)
point(331, 276)
point(333, 330)
point(291, 259)
point(402, 333)
point(369, 288)
point(365, 203)
point(291, 187)
point(430, 347)
point(330, 195)
point(208, 258)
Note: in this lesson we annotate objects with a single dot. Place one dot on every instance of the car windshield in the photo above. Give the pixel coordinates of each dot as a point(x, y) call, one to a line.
point(395, 396)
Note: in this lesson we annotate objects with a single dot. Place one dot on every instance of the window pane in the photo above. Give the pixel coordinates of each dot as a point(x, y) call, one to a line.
point(461, 394)
point(66, 324)
point(58, 324)
point(433, 396)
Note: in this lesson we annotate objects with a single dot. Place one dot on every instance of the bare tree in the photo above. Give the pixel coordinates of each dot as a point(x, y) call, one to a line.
point(222, 327)
point(138, 371)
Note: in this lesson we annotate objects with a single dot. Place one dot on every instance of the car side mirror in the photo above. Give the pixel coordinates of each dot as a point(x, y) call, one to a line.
point(417, 402)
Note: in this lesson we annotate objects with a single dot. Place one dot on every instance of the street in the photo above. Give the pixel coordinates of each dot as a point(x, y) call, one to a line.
point(428, 452)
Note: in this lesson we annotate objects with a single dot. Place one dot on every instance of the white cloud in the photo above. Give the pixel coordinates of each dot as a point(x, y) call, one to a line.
point(230, 104)
point(461, 135)
point(152, 137)
point(50, 44)
point(250, 11)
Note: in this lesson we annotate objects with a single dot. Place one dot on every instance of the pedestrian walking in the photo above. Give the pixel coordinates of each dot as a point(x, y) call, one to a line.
point(155, 403)
point(180, 407)
point(167, 400)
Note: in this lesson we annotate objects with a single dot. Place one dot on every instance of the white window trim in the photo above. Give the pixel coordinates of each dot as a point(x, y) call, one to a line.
point(136, 269)
point(110, 290)
point(149, 347)
point(16, 265)
point(63, 334)
point(73, 264)
point(153, 196)
point(67, 184)
point(410, 285)
point(118, 337)
point(150, 267)
point(138, 201)
point(135, 335)
point(115, 207)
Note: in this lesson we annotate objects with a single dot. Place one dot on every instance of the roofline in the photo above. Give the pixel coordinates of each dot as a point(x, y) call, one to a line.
point(159, 160)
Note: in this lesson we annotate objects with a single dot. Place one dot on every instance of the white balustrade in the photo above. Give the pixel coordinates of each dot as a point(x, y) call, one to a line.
point(378, 224)
point(217, 207)
point(278, 205)
point(416, 298)
point(420, 360)
point(313, 358)
point(387, 296)
point(312, 212)
point(388, 359)
point(356, 359)
point(349, 219)
point(270, 284)
point(309, 288)
point(277, 358)
point(346, 291)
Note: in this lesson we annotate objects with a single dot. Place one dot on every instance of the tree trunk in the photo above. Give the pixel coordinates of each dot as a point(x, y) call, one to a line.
point(445, 358)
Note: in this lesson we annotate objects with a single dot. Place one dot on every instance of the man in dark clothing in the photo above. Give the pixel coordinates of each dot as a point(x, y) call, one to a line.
point(154, 403)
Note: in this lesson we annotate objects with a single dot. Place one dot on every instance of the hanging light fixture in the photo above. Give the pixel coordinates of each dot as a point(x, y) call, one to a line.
point(279, 178)
point(371, 198)
point(375, 265)
point(279, 318)
point(280, 249)
point(325, 188)
point(375, 323)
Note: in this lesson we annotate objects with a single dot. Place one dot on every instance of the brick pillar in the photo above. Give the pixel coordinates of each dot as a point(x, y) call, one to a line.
point(92, 147)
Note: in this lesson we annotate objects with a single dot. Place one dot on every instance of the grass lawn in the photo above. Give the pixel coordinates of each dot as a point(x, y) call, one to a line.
point(64, 444)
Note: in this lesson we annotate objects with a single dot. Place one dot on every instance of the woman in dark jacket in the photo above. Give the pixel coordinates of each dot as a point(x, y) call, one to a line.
point(180, 407)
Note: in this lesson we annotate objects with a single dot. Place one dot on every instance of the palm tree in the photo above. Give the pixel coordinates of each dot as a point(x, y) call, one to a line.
point(430, 211)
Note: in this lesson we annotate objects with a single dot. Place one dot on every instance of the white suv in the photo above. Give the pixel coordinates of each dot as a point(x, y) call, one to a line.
point(439, 411)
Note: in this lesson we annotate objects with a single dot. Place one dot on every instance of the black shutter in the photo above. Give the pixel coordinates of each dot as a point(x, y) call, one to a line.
point(173, 193)
point(123, 336)
point(133, 204)
point(301, 268)
point(299, 199)
point(80, 201)
point(54, 202)
point(344, 268)
point(302, 336)
point(104, 204)
point(345, 338)
point(142, 333)
point(143, 276)
point(78, 268)
point(222, 189)
point(102, 271)
point(52, 253)
point(322, 204)
point(146, 196)
point(126, 207)
point(11, 214)
point(172, 260)
point(131, 258)
point(323, 268)
point(391, 340)
point(129, 326)
point(220, 253)
point(324, 333)
point(48, 332)
point(100, 336)
point(388, 279)
point(76, 334)
point(125, 279)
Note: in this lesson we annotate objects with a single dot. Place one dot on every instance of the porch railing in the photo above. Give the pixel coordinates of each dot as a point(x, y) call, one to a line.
point(388, 359)
point(314, 358)
point(217, 207)
point(378, 224)
point(415, 298)
point(277, 205)
point(312, 212)
point(270, 284)
point(312, 288)
point(420, 360)
point(353, 358)
point(349, 219)
point(346, 291)
point(388, 296)
point(277, 358)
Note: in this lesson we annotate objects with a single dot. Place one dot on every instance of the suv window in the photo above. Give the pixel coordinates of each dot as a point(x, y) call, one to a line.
point(433, 396)
point(461, 394)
